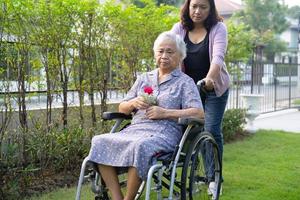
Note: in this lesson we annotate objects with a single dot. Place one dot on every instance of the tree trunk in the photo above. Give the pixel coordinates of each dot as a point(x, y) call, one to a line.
point(91, 95)
point(22, 104)
point(92, 79)
point(6, 114)
point(49, 95)
point(64, 84)
point(65, 90)
point(104, 95)
point(81, 79)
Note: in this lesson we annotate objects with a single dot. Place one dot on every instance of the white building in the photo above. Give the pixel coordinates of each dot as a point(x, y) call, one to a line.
point(291, 37)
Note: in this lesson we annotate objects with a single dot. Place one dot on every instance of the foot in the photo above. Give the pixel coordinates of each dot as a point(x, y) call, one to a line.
point(212, 190)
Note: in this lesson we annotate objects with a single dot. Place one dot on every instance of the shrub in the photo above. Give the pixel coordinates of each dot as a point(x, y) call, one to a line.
point(296, 102)
point(233, 123)
point(48, 153)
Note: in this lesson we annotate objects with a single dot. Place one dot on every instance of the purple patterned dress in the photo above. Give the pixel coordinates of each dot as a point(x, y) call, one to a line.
point(136, 144)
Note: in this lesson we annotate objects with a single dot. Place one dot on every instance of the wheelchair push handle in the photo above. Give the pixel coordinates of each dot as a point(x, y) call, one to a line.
point(201, 84)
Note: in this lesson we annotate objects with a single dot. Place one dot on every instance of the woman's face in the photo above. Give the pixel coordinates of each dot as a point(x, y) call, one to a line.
point(199, 10)
point(166, 55)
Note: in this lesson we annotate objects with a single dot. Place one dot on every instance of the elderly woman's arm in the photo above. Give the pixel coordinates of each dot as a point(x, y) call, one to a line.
point(156, 112)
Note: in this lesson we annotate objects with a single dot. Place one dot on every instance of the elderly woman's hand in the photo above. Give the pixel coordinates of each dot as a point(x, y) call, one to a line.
point(140, 103)
point(155, 112)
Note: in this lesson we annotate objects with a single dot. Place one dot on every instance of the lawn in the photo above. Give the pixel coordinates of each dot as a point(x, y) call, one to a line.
point(265, 166)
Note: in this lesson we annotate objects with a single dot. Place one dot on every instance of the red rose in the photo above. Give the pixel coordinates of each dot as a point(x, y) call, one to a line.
point(148, 90)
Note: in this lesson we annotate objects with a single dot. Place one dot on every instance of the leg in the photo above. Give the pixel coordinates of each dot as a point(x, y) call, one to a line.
point(214, 110)
point(133, 183)
point(110, 177)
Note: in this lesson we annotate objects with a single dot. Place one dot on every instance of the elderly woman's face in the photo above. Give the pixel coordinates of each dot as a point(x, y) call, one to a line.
point(166, 55)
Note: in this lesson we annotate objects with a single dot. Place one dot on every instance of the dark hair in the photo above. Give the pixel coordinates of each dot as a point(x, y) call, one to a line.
point(212, 19)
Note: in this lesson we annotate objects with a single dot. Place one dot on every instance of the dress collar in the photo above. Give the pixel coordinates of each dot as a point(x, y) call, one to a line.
point(155, 73)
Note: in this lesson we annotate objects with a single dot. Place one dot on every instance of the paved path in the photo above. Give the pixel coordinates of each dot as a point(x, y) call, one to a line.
point(286, 120)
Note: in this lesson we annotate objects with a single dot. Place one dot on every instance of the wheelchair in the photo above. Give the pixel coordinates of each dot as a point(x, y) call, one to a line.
point(182, 174)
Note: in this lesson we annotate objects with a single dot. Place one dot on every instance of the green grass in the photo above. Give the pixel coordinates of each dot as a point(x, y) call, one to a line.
point(265, 166)
point(66, 193)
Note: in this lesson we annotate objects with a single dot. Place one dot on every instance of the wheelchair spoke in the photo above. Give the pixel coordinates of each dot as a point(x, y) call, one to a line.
point(198, 183)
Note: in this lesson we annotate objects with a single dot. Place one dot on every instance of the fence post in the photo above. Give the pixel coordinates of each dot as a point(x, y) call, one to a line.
point(275, 86)
point(290, 82)
point(298, 59)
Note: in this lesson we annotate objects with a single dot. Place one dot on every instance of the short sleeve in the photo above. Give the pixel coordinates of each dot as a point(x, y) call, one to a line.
point(190, 95)
point(132, 93)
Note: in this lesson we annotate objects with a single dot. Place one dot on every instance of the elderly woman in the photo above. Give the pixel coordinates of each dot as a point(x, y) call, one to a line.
point(154, 127)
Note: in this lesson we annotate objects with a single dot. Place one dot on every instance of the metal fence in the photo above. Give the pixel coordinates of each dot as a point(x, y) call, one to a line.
point(278, 82)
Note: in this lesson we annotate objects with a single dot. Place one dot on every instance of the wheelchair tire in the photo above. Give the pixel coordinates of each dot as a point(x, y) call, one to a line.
point(194, 179)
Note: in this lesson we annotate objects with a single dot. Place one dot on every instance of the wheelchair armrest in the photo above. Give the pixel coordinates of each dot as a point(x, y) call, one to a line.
point(115, 115)
point(191, 121)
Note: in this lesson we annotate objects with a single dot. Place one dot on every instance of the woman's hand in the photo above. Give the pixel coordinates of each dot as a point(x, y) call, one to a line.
point(209, 84)
point(128, 107)
point(140, 103)
point(155, 112)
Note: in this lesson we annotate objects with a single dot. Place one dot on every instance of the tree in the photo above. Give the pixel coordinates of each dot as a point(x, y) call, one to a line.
point(42, 34)
point(64, 18)
point(141, 3)
point(264, 15)
point(239, 48)
point(134, 31)
point(267, 18)
point(239, 42)
point(294, 12)
point(87, 32)
point(5, 107)
point(18, 27)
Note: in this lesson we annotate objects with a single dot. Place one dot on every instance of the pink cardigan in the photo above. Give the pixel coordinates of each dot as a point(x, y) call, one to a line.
point(217, 51)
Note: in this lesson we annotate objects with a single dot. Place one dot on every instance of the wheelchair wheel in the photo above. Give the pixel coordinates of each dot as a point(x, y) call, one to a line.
point(196, 176)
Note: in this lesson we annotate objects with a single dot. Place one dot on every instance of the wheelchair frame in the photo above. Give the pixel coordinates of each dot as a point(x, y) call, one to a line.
point(98, 185)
